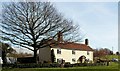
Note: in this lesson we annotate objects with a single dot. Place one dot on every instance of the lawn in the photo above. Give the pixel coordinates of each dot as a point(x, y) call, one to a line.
point(112, 67)
point(59, 69)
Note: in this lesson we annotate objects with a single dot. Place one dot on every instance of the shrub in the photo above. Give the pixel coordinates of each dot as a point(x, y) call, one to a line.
point(48, 65)
point(26, 60)
point(68, 65)
point(32, 65)
point(67, 62)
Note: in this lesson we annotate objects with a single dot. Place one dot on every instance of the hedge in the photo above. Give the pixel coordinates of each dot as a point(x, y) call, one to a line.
point(47, 65)
point(31, 65)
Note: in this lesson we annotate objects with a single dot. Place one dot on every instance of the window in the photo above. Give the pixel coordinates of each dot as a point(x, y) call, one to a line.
point(88, 53)
point(73, 60)
point(73, 51)
point(59, 51)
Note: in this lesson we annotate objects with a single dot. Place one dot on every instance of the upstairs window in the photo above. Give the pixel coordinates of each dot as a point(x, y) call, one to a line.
point(59, 51)
point(88, 53)
point(73, 51)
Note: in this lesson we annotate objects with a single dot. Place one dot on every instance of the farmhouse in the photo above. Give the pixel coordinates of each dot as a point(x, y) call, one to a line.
point(67, 51)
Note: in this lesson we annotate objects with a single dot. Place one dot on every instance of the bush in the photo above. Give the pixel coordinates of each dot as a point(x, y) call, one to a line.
point(68, 65)
point(79, 64)
point(67, 62)
point(26, 60)
point(32, 65)
point(8, 65)
point(48, 65)
point(55, 65)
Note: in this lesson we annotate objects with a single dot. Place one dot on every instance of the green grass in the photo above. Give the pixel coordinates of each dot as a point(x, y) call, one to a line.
point(61, 69)
point(112, 67)
point(110, 57)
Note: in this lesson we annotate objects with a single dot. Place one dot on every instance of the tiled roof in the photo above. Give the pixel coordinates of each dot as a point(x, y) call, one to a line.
point(71, 45)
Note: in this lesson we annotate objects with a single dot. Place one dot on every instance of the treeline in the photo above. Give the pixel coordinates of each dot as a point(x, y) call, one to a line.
point(103, 51)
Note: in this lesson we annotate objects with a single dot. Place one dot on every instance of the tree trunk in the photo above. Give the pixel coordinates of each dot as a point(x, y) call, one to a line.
point(35, 56)
point(4, 57)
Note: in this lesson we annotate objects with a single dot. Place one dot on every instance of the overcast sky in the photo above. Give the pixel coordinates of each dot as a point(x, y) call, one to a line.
point(97, 19)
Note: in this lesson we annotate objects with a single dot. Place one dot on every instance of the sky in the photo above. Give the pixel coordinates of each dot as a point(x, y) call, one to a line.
point(97, 19)
point(64, 0)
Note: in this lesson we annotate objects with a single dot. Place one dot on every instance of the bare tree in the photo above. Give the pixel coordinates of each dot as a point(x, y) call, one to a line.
point(28, 23)
point(102, 52)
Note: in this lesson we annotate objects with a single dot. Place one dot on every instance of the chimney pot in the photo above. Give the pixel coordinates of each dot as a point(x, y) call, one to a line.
point(86, 41)
point(60, 37)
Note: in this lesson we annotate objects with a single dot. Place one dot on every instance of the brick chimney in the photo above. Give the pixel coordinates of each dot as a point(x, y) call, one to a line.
point(86, 42)
point(60, 36)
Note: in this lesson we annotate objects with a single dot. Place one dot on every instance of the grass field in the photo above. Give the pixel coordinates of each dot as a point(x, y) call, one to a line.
point(111, 56)
point(112, 67)
point(67, 69)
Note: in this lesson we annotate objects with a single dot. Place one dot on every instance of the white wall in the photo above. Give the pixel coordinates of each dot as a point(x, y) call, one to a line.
point(66, 54)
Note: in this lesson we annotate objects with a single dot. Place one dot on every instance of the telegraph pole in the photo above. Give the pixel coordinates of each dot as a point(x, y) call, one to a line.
point(112, 52)
point(112, 48)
